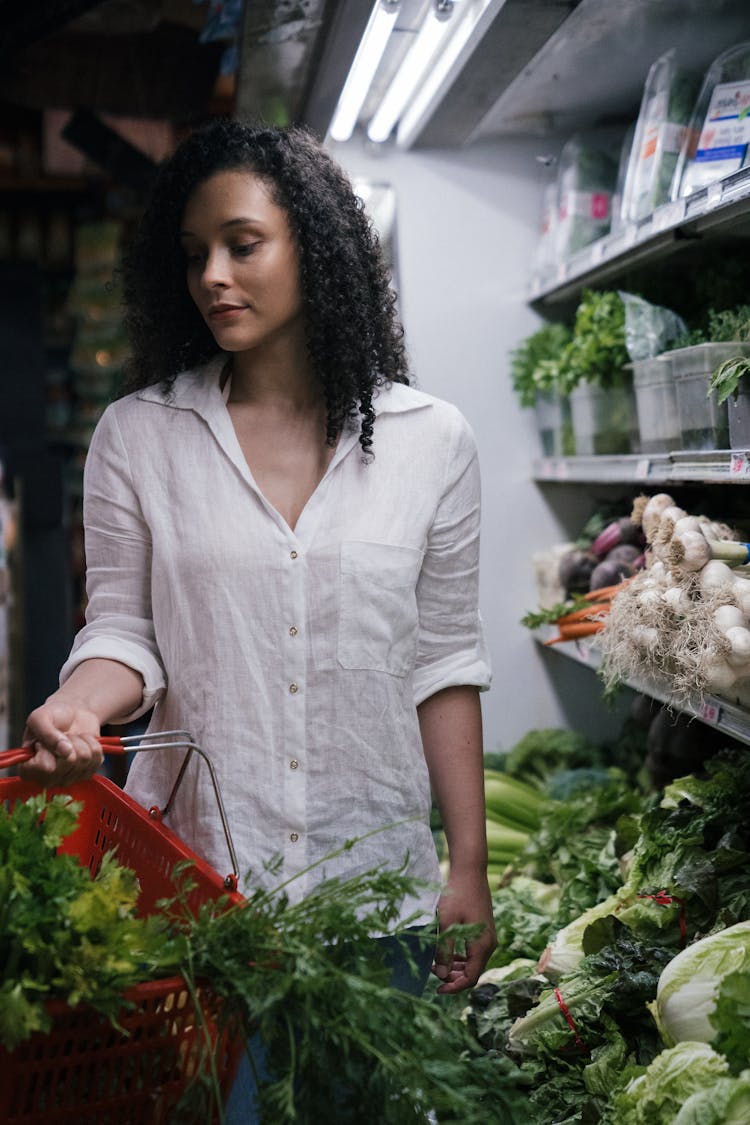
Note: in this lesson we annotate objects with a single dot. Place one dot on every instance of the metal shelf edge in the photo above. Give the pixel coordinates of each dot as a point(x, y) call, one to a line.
point(712, 710)
point(730, 466)
point(705, 211)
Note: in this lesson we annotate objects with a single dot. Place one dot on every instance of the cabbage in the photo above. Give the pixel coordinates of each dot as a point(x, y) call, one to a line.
point(658, 1095)
point(565, 952)
point(689, 984)
point(725, 1102)
point(518, 969)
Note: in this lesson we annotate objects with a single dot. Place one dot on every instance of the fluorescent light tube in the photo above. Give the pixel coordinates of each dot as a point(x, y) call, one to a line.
point(366, 62)
point(431, 34)
point(413, 117)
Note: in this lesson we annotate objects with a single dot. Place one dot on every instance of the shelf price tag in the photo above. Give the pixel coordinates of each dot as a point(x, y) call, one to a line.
point(642, 468)
point(739, 465)
point(710, 712)
point(668, 215)
point(714, 194)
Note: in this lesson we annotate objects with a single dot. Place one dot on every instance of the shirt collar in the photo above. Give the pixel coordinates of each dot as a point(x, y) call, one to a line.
point(200, 390)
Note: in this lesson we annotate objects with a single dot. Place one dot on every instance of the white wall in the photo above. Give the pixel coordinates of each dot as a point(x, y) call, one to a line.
point(467, 224)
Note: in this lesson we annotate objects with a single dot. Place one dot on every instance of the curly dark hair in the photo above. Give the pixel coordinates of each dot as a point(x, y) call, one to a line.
point(354, 337)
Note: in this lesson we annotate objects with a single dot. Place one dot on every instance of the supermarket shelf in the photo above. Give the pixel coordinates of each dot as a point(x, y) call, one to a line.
point(727, 717)
point(706, 213)
point(723, 466)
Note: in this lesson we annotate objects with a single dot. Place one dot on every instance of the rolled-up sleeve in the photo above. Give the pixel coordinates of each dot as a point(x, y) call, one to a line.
point(119, 623)
point(451, 649)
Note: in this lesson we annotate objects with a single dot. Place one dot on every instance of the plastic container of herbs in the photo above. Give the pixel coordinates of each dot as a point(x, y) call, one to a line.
point(669, 96)
point(704, 421)
point(656, 405)
point(605, 420)
point(554, 424)
point(717, 142)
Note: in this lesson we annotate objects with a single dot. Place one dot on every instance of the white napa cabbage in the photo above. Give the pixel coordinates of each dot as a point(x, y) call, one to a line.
point(689, 984)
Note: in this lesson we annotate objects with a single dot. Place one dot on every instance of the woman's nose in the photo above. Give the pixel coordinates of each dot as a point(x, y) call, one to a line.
point(215, 270)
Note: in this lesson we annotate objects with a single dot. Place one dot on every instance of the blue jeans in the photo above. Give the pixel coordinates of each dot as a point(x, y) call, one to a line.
point(242, 1106)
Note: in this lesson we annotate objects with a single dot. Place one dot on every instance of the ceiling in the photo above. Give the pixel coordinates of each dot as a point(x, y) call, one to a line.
point(138, 58)
point(533, 67)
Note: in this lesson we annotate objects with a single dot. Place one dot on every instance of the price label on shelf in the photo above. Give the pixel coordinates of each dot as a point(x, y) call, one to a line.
point(642, 468)
point(739, 466)
point(710, 712)
point(714, 194)
point(668, 215)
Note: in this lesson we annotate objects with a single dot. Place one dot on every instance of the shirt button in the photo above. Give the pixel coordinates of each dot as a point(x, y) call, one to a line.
point(294, 764)
point(294, 837)
point(292, 630)
point(293, 689)
point(292, 554)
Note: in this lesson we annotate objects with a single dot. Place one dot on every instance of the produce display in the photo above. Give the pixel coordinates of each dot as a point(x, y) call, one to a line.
point(621, 984)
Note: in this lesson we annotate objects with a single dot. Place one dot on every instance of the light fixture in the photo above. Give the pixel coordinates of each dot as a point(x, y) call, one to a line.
point(366, 62)
point(433, 32)
point(469, 28)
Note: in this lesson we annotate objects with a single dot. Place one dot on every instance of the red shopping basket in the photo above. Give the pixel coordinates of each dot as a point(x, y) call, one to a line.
point(85, 1071)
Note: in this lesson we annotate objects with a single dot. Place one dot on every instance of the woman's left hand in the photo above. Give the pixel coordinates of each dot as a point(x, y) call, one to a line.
point(466, 899)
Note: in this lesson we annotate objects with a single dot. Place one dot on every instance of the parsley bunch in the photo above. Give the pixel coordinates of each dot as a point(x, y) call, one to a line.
point(62, 933)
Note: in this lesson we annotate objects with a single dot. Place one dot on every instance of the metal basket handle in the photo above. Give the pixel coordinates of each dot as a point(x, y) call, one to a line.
point(176, 740)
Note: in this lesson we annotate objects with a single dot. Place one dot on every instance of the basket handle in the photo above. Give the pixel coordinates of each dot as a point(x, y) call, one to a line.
point(177, 739)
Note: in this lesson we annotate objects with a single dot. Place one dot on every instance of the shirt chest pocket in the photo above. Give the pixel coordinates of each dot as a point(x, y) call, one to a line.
point(379, 622)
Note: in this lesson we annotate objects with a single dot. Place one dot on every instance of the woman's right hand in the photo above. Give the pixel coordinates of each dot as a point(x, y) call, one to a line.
point(64, 737)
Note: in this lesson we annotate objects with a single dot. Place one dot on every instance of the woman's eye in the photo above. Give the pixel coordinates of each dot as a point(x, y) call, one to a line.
point(245, 249)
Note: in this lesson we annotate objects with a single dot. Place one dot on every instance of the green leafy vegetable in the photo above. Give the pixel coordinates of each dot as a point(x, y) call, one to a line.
point(725, 380)
point(533, 363)
point(596, 353)
point(63, 933)
point(540, 753)
point(731, 1016)
point(688, 987)
point(338, 1036)
point(525, 913)
point(725, 1102)
point(656, 1097)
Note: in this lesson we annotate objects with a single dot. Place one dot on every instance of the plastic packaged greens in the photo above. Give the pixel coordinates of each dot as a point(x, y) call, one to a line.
point(585, 184)
point(626, 148)
point(667, 103)
point(718, 139)
point(544, 256)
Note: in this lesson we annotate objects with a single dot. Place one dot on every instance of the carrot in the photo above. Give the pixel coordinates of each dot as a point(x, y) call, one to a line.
point(606, 593)
point(586, 614)
point(575, 631)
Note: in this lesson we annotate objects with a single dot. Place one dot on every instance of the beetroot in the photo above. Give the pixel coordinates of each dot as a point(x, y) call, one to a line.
point(575, 570)
point(609, 573)
point(626, 552)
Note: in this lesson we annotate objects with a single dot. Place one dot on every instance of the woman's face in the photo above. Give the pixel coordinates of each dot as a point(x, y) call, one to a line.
point(242, 262)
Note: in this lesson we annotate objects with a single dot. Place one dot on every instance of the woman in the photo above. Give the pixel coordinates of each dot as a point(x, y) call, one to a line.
point(282, 542)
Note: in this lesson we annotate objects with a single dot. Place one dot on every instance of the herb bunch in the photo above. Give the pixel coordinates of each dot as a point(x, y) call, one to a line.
point(62, 933)
point(342, 1044)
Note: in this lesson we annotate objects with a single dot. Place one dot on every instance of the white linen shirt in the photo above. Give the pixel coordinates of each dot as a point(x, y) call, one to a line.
point(295, 658)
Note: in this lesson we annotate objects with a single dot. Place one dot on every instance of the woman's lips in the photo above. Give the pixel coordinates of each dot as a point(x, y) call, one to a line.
point(226, 312)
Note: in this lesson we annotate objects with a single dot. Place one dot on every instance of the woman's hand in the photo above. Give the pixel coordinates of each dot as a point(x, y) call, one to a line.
point(466, 899)
point(64, 738)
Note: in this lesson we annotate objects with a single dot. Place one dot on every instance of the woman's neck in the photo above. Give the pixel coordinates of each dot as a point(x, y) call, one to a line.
point(274, 378)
